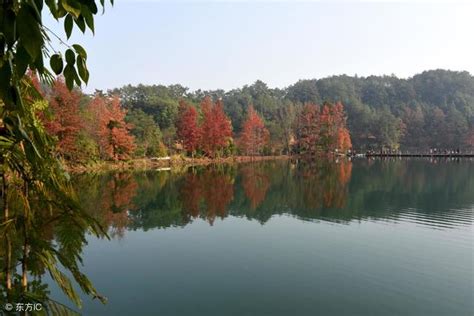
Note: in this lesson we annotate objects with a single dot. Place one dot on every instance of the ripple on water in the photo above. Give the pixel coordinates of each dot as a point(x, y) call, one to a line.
point(452, 218)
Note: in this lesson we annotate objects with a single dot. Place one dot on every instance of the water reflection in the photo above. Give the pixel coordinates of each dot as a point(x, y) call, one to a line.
point(214, 187)
point(255, 183)
point(235, 199)
point(109, 199)
point(436, 194)
point(369, 236)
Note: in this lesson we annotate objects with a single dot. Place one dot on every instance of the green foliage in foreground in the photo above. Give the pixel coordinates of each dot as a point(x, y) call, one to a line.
point(35, 190)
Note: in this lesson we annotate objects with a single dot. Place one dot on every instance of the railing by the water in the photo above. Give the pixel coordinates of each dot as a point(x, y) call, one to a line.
point(444, 154)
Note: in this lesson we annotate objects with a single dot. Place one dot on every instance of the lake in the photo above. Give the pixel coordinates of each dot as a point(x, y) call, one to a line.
point(367, 237)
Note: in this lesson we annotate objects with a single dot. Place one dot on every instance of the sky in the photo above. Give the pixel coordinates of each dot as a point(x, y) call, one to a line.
point(227, 44)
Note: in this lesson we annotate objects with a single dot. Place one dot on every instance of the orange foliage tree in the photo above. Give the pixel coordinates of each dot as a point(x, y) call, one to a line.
point(111, 132)
point(216, 127)
point(334, 133)
point(254, 134)
point(322, 129)
point(307, 129)
point(188, 130)
point(65, 122)
point(344, 138)
point(344, 142)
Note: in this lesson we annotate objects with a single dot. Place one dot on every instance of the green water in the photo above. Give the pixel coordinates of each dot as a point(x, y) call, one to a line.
point(284, 238)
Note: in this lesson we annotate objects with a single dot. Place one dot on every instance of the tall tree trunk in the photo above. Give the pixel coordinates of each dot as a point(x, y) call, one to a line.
point(24, 267)
point(8, 245)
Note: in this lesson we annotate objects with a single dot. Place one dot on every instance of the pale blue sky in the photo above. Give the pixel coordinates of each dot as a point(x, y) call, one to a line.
point(225, 44)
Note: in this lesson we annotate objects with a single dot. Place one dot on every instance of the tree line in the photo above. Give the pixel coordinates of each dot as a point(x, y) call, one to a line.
point(100, 127)
point(434, 109)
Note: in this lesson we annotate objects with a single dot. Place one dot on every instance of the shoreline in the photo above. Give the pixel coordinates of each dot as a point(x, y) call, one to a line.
point(144, 164)
point(176, 162)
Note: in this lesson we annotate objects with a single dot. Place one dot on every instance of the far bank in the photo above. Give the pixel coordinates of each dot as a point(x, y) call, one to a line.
point(163, 163)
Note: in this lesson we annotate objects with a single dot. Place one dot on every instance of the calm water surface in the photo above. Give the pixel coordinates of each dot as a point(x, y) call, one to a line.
point(280, 238)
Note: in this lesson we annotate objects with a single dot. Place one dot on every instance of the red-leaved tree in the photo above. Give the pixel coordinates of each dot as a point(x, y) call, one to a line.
point(254, 134)
point(344, 142)
point(328, 128)
point(65, 122)
point(216, 127)
point(343, 138)
point(322, 129)
point(110, 130)
point(308, 129)
point(188, 130)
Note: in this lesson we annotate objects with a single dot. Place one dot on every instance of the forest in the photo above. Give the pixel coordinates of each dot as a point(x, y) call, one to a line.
point(434, 109)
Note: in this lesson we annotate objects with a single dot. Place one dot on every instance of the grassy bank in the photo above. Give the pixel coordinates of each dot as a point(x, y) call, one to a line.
point(153, 164)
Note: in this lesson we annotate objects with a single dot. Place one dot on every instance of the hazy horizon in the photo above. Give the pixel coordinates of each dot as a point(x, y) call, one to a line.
point(211, 46)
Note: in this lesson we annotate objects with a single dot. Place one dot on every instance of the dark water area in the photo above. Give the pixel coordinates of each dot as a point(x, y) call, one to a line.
point(367, 237)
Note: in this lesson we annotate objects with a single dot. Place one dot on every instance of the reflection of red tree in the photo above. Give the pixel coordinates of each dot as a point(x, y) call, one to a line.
point(311, 191)
point(325, 186)
point(336, 193)
point(117, 202)
point(255, 185)
point(214, 187)
point(218, 192)
point(345, 172)
point(117, 222)
point(191, 193)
